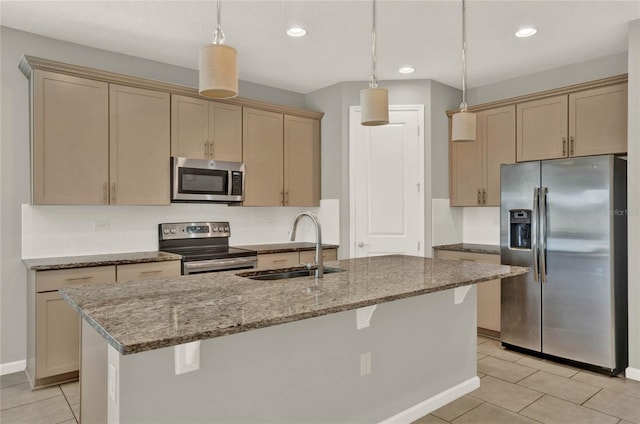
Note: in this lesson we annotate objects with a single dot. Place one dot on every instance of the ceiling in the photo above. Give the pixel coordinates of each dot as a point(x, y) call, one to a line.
point(423, 34)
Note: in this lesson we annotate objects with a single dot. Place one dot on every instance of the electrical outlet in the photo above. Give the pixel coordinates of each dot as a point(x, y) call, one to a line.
point(101, 225)
point(365, 364)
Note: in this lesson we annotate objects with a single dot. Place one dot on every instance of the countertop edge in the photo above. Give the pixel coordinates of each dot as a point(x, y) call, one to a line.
point(267, 248)
point(85, 261)
point(169, 342)
point(486, 249)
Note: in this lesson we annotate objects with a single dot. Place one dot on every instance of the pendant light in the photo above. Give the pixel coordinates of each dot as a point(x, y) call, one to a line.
point(218, 67)
point(463, 126)
point(374, 101)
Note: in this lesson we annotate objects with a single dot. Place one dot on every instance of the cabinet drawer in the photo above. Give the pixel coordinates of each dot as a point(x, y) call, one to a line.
point(308, 256)
point(59, 278)
point(278, 260)
point(147, 270)
point(468, 256)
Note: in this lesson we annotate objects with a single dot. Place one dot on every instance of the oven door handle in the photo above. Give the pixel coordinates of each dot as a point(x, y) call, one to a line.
point(219, 264)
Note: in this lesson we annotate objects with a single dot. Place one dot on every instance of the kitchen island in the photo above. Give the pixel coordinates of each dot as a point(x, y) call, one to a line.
point(388, 338)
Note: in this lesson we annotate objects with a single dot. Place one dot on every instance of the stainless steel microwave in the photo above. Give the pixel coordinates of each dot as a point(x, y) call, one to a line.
point(202, 180)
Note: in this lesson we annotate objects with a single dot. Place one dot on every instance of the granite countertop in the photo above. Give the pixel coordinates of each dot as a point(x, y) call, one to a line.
point(294, 246)
point(66, 262)
point(491, 249)
point(156, 313)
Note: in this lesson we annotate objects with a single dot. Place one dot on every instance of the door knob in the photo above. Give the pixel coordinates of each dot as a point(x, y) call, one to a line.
point(361, 244)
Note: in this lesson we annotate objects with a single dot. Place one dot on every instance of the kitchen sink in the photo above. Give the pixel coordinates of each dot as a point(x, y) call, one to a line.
point(275, 275)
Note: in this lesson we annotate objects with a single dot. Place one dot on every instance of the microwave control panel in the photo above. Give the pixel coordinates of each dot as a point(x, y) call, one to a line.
point(236, 183)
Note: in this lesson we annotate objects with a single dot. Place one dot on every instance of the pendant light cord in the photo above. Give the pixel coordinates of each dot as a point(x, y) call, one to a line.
point(373, 81)
point(463, 105)
point(218, 34)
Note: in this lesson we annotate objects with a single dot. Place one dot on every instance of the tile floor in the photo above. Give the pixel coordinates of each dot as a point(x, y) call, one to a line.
point(514, 388)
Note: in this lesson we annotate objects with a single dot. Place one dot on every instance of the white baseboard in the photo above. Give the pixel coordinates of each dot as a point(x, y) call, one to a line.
point(11, 367)
point(632, 373)
point(425, 407)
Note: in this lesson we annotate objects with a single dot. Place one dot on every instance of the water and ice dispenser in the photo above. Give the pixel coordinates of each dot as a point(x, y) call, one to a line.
point(520, 228)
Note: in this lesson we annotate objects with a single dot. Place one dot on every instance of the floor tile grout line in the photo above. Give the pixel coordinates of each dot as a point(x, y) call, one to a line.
point(602, 412)
point(477, 406)
point(35, 401)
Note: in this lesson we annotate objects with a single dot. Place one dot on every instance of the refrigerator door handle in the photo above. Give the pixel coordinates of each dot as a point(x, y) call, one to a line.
point(543, 234)
point(534, 233)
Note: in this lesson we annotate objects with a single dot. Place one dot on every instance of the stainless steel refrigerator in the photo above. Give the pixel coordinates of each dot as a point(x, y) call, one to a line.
point(566, 219)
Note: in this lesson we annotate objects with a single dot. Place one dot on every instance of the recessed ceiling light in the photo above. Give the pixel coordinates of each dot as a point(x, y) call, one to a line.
point(406, 70)
point(296, 32)
point(526, 32)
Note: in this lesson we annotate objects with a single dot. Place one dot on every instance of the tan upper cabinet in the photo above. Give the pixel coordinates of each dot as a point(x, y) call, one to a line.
point(542, 129)
point(588, 122)
point(475, 165)
point(262, 146)
point(301, 161)
point(70, 140)
point(139, 146)
point(598, 121)
point(206, 130)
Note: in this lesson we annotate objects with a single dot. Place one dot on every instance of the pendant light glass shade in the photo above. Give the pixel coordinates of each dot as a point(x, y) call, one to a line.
point(463, 127)
point(218, 67)
point(374, 105)
point(374, 101)
point(218, 71)
point(463, 124)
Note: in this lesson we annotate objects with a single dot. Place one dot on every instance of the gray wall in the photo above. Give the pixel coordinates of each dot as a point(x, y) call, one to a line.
point(553, 78)
point(335, 101)
point(633, 178)
point(14, 153)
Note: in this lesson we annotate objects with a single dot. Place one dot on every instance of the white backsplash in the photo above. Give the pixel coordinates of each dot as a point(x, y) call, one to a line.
point(481, 225)
point(51, 231)
point(446, 223)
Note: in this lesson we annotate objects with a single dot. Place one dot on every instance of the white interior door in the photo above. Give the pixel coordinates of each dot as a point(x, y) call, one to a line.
point(387, 172)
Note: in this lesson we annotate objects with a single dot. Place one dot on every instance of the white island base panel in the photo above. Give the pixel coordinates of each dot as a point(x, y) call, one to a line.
point(422, 356)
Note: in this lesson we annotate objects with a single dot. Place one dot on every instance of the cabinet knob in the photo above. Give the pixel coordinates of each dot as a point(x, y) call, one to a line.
point(361, 244)
point(113, 193)
point(484, 196)
point(206, 149)
point(564, 146)
point(479, 197)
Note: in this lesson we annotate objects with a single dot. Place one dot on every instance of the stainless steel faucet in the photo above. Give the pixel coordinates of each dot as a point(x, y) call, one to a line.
point(319, 272)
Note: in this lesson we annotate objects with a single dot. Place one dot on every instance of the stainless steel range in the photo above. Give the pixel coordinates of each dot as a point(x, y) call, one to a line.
point(204, 247)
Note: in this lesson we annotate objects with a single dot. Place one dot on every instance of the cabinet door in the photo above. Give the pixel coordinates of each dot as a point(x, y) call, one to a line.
point(465, 170)
point(143, 271)
point(139, 143)
point(225, 132)
point(278, 260)
point(189, 127)
point(542, 129)
point(70, 140)
point(301, 161)
point(57, 324)
point(598, 121)
point(262, 150)
point(499, 140)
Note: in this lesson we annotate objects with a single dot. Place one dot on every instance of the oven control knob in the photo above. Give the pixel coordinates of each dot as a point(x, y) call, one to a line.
point(173, 231)
point(226, 229)
point(166, 231)
point(214, 228)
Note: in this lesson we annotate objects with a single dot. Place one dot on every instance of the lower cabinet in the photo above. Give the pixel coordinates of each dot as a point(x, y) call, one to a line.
point(488, 292)
point(288, 259)
point(53, 327)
